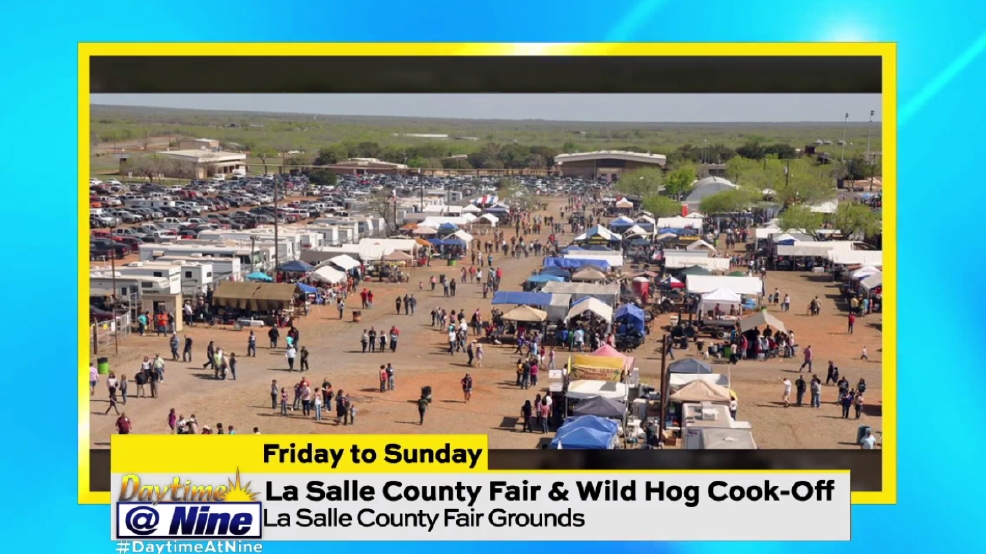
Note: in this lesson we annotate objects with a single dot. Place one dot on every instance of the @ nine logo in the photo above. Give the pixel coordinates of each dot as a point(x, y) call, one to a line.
point(182, 509)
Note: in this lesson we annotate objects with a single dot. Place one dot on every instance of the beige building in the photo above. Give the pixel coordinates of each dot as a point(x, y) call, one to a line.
point(359, 166)
point(606, 164)
point(208, 163)
point(198, 144)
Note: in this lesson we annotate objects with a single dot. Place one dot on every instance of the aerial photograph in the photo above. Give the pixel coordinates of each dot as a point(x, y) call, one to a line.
point(555, 271)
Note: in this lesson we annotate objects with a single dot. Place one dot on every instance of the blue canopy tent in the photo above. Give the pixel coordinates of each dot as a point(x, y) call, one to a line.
point(542, 278)
point(622, 222)
point(258, 276)
point(690, 366)
point(631, 316)
point(447, 228)
point(522, 298)
point(575, 263)
point(447, 242)
point(588, 248)
point(496, 210)
point(307, 289)
point(586, 433)
point(556, 271)
point(296, 266)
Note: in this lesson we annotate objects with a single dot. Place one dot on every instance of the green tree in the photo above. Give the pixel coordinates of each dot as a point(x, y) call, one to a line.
point(330, 155)
point(661, 206)
point(731, 200)
point(569, 147)
point(738, 168)
point(641, 182)
point(800, 217)
point(368, 149)
point(807, 184)
point(322, 177)
point(506, 187)
point(264, 153)
point(679, 181)
point(857, 219)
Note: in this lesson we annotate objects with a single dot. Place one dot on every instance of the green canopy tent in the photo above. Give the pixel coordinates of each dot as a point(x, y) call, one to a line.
point(695, 270)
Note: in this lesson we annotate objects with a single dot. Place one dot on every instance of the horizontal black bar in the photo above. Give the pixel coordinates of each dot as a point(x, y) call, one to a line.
point(477, 74)
point(865, 465)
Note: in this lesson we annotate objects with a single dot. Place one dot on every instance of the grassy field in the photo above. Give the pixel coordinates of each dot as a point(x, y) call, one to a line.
point(308, 133)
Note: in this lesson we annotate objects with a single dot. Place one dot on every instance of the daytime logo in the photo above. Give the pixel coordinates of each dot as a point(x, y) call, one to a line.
point(132, 490)
point(184, 509)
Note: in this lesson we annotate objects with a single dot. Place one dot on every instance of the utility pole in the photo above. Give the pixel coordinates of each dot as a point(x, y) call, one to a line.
point(869, 161)
point(845, 127)
point(277, 244)
point(116, 331)
point(664, 388)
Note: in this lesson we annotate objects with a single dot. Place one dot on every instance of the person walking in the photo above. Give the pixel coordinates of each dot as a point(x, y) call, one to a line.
point(210, 353)
point(111, 385)
point(173, 342)
point(273, 335)
point(284, 401)
point(479, 355)
point(851, 321)
point(467, 388)
point(846, 400)
point(800, 387)
point(470, 353)
point(383, 378)
point(186, 355)
point(545, 414)
point(306, 400)
point(291, 353)
point(123, 424)
point(397, 303)
point(858, 404)
point(373, 339)
point(526, 414)
point(341, 307)
point(364, 340)
point(123, 389)
point(809, 356)
point(383, 341)
point(172, 420)
point(787, 391)
point(390, 377)
point(252, 345)
point(317, 403)
point(422, 408)
point(274, 394)
point(304, 359)
point(816, 392)
point(231, 363)
point(864, 356)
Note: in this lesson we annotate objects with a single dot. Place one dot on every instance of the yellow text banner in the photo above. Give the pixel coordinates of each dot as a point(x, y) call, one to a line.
point(299, 453)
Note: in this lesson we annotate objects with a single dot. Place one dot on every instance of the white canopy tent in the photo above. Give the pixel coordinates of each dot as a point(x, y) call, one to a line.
point(460, 234)
point(624, 203)
point(856, 257)
point(724, 298)
point(679, 223)
point(590, 305)
point(763, 233)
point(712, 264)
point(608, 293)
point(686, 253)
point(644, 218)
point(424, 230)
point(558, 307)
point(700, 244)
point(872, 281)
point(437, 221)
point(589, 274)
point(526, 314)
point(468, 217)
point(636, 231)
point(701, 284)
point(677, 381)
point(582, 389)
point(489, 218)
point(472, 209)
point(864, 272)
point(344, 262)
point(329, 275)
point(598, 231)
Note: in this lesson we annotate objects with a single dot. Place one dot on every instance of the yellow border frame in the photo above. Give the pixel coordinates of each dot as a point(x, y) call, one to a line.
point(887, 51)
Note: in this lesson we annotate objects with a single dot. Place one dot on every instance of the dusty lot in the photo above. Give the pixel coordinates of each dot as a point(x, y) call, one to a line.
point(421, 360)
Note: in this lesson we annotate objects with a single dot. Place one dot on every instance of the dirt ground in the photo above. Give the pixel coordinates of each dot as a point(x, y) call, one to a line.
point(421, 359)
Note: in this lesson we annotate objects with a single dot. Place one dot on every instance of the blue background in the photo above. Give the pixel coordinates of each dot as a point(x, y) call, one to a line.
point(941, 79)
